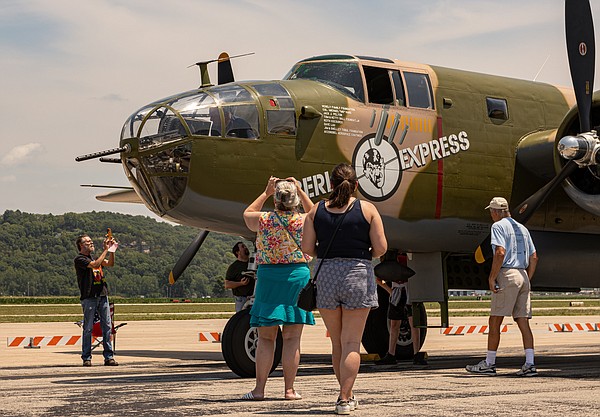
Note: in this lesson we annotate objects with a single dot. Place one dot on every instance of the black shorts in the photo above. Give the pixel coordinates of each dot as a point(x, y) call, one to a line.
point(401, 311)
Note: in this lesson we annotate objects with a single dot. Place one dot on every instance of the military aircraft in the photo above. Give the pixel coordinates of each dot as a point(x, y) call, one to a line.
point(431, 147)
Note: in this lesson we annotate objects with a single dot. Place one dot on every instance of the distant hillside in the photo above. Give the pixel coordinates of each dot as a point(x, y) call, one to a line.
point(37, 251)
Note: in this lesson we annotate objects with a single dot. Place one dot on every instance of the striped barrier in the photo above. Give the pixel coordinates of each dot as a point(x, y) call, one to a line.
point(38, 341)
point(214, 337)
point(462, 330)
point(574, 327)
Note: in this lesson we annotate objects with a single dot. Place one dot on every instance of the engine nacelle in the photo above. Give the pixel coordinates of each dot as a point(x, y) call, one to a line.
point(583, 186)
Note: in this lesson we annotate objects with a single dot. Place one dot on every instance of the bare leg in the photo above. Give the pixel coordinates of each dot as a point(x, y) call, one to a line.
point(415, 333)
point(526, 334)
point(333, 322)
point(394, 333)
point(291, 357)
point(494, 332)
point(353, 324)
point(265, 351)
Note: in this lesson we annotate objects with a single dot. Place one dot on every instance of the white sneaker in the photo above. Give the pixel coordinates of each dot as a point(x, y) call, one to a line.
point(353, 403)
point(342, 407)
point(482, 368)
point(527, 370)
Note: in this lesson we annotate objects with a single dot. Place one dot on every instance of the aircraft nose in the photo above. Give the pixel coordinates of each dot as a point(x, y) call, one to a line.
point(160, 162)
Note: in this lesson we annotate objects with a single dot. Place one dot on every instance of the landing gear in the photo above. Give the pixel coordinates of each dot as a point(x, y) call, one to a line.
point(238, 345)
point(375, 338)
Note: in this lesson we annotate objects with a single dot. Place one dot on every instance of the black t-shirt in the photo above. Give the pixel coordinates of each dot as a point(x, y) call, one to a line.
point(234, 273)
point(91, 281)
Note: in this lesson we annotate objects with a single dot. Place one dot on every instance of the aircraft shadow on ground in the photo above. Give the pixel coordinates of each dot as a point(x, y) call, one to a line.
point(576, 366)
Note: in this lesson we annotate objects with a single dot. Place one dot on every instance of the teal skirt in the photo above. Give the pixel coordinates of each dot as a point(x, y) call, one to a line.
point(275, 295)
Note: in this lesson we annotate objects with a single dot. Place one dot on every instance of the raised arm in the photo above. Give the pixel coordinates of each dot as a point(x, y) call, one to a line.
point(309, 236)
point(253, 212)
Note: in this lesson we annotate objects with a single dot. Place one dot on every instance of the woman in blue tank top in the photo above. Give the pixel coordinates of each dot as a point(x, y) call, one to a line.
point(346, 287)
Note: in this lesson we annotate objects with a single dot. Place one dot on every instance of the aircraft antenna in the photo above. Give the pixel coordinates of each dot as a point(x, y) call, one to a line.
point(541, 68)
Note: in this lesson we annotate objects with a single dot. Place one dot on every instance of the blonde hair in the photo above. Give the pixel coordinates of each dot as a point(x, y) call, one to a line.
point(286, 196)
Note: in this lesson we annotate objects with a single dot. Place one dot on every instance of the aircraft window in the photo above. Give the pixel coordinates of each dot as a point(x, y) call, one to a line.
point(275, 90)
point(230, 94)
point(419, 91)
point(285, 103)
point(200, 113)
point(241, 121)
point(167, 190)
point(161, 127)
point(379, 85)
point(497, 108)
point(281, 122)
point(398, 88)
point(343, 76)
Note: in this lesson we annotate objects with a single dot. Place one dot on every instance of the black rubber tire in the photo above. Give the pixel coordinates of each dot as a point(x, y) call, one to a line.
point(238, 345)
point(404, 347)
point(375, 338)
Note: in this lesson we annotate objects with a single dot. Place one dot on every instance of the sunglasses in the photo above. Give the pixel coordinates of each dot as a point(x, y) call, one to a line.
point(278, 181)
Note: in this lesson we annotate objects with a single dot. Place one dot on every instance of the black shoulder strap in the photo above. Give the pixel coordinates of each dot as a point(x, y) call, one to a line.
point(337, 227)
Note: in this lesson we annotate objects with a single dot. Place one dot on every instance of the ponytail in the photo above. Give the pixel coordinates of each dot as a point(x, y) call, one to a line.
point(344, 181)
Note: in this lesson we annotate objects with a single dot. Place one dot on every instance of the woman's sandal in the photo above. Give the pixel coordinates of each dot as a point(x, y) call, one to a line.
point(294, 396)
point(249, 396)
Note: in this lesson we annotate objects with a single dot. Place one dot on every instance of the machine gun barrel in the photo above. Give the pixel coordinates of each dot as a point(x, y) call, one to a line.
point(125, 148)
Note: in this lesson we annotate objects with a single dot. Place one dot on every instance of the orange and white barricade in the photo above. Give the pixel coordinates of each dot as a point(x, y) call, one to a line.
point(466, 329)
point(37, 341)
point(214, 337)
point(574, 327)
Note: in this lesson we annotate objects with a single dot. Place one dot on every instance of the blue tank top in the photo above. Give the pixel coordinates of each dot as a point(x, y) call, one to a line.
point(352, 239)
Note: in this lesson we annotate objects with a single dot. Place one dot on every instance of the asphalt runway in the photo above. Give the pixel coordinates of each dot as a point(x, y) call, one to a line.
point(165, 371)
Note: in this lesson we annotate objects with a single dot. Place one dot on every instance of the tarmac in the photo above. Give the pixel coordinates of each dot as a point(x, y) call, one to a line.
point(165, 371)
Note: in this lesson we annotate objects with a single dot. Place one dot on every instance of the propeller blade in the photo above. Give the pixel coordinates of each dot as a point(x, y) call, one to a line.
point(525, 210)
point(581, 50)
point(225, 72)
point(186, 257)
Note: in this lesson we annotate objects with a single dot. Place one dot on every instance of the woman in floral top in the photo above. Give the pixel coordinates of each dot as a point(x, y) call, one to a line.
point(282, 273)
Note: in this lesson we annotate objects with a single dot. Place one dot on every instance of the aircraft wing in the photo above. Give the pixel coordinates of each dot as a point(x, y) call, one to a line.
point(120, 196)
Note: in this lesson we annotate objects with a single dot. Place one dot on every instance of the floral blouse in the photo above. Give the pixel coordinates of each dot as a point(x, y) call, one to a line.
point(274, 245)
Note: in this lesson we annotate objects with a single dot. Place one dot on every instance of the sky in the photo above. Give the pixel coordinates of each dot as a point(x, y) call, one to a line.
point(72, 71)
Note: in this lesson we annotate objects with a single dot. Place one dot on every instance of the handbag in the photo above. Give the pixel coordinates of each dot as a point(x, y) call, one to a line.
point(307, 298)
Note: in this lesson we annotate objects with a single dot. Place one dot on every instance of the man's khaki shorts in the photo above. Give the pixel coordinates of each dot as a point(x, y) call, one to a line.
point(513, 298)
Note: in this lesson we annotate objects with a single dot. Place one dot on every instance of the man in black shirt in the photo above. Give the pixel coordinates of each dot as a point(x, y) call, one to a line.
point(94, 296)
point(241, 286)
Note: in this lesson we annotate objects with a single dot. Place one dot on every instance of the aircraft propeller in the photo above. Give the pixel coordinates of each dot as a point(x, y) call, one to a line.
point(187, 256)
point(580, 150)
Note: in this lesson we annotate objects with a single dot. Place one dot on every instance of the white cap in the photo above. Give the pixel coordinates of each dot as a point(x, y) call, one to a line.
point(498, 203)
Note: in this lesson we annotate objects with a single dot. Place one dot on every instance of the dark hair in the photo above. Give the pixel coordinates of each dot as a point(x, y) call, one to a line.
point(79, 240)
point(236, 248)
point(343, 181)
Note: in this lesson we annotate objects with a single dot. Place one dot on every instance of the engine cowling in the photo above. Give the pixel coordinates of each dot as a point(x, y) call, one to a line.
point(583, 186)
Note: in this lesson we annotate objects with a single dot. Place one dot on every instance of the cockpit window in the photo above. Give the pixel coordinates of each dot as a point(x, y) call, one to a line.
point(343, 76)
point(281, 114)
point(230, 94)
point(379, 85)
point(419, 90)
point(241, 121)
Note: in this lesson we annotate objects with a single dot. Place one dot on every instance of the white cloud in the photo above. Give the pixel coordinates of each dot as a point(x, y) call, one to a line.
point(21, 153)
